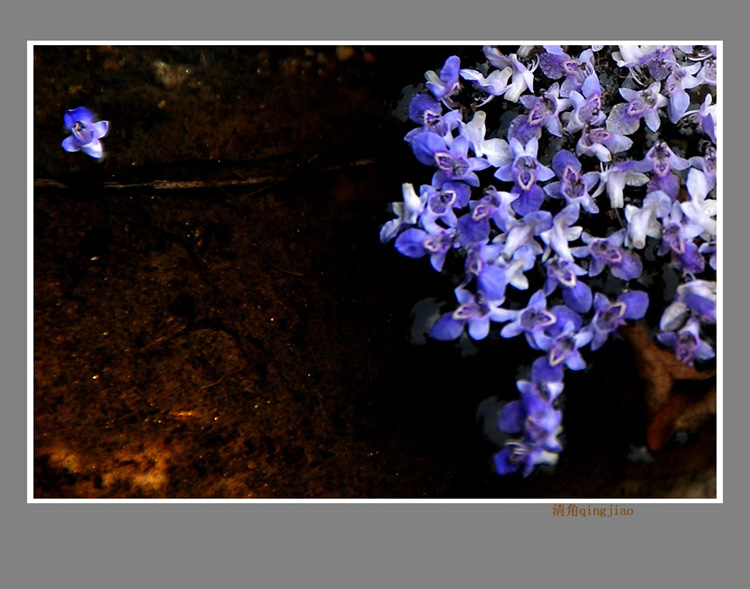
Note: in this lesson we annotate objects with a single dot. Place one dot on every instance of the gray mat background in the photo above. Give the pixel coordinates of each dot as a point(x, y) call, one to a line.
point(313, 545)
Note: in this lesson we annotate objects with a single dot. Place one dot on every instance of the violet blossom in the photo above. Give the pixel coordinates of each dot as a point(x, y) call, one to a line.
point(480, 264)
point(610, 316)
point(609, 253)
point(573, 186)
point(615, 177)
point(535, 417)
point(587, 106)
point(544, 112)
point(446, 84)
point(415, 243)
point(677, 238)
point(644, 221)
point(601, 144)
point(495, 84)
point(696, 298)
point(564, 347)
point(452, 160)
point(407, 212)
point(700, 209)
point(522, 455)
point(531, 321)
point(522, 261)
point(496, 205)
point(707, 166)
point(678, 82)
point(563, 231)
point(473, 312)
point(661, 160)
point(428, 112)
point(576, 293)
point(523, 232)
point(495, 150)
point(544, 381)
point(522, 78)
point(86, 132)
point(643, 104)
point(687, 343)
point(555, 64)
point(524, 171)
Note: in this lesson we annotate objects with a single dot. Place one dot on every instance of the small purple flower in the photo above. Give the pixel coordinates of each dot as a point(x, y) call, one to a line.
point(522, 455)
point(522, 261)
point(687, 343)
point(576, 293)
point(644, 222)
point(490, 278)
point(555, 64)
point(452, 160)
point(415, 243)
point(495, 84)
point(495, 205)
point(573, 186)
point(407, 212)
point(439, 206)
point(707, 74)
point(522, 232)
point(473, 312)
point(608, 252)
point(525, 171)
point(707, 118)
point(524, 168)
point(521, 77)
point(609, 316)
point(530, 321)
point(535, 417)
point(587, 106)
point(446, 84)
point(656, 57)
point(428, 112)
point(454, 163)
point(700, 297)
point(601, 144)
point(680, 80)
point(540, 385)
point(86, 132)
point(544, 111)
point(564, 315)
point(563, 231)
point(616, 177)
point(643, 104)
point(707, 165)
point(696, 298)
point(700, 209)
point(563, 348)
point(677, 237)
point(495, 150)
point(661, 160)
point(630, 56)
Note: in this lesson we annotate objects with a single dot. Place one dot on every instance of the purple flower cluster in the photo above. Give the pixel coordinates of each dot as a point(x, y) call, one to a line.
point(517, 204)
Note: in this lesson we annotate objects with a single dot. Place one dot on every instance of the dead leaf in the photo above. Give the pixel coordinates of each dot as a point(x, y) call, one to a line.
point(669, 410)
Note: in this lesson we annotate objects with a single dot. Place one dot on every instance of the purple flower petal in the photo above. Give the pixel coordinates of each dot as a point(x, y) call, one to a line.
point(511, 418)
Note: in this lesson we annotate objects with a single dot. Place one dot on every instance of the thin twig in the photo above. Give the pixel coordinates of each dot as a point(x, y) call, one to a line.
point(201, 184)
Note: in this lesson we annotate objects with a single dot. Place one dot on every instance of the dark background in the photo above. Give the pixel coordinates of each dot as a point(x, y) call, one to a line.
point(245, 335)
